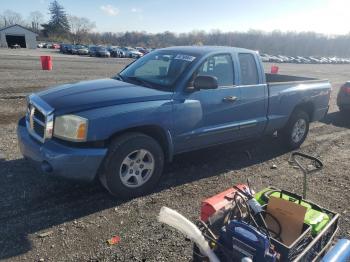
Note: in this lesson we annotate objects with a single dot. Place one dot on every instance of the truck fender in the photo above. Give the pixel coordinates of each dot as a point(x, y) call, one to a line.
point(161, 135)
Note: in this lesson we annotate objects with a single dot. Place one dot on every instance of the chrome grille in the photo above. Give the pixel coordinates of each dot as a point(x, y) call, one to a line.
point(39, 117)
point(37, 122)
point(38, 126)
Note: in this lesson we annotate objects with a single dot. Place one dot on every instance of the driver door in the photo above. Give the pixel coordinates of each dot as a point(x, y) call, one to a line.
point(209, 117)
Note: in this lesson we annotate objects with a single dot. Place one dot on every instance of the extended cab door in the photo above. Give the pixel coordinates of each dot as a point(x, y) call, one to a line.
point(254, 95)
point(207, 117)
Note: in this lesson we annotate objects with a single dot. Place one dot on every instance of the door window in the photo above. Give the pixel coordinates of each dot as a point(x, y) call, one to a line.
point(219, 66)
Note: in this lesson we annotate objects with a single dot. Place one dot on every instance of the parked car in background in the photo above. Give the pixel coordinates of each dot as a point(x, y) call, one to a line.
point(83, 50)
point(76, 48)
point(15, 46)
point(40, 45)
point(314, 60)
point(92, 50)
point(69, 49)
point(292, 59)
point(265, 58)
point(122, 130)
point(117, 52)
point(62, 48)
point(55, 46)
point(275, 59)
point(284, 59)
point(66, 48)
point(343, 99)
point(131, 52)
point(99, 51)
point(142, 50)
point(303, 59)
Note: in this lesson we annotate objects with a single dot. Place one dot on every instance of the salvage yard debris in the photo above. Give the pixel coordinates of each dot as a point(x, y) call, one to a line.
point(114, 240)
point(45, 234)
point(273, 166)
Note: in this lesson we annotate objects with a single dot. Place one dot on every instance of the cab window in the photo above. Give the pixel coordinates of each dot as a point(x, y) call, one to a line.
point(219, 66)
point(249, 72)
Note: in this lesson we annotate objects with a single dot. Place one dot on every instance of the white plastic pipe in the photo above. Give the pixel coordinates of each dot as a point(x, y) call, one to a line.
point(190, 230)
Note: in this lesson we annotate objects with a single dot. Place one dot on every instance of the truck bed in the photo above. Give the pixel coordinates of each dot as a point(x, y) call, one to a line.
point(286, 91)
point(277, 78)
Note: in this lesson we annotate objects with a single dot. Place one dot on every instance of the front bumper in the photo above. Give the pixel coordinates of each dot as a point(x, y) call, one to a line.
point(60, 160)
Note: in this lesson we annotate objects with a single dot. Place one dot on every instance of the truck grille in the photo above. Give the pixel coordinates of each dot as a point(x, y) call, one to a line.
point(39, 118)
point(39, 129)
point(37, 122)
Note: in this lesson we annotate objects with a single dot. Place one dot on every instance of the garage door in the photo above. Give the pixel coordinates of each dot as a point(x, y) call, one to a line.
point(16, 39)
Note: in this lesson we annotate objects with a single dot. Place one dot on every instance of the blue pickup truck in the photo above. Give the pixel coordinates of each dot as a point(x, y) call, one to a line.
point(122, 130)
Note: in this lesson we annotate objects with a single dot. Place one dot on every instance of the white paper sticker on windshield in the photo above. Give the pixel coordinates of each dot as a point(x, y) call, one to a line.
point(185, 57)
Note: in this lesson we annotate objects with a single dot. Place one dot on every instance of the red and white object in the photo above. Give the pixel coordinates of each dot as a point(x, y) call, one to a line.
point(274, 69)
point(218, 203)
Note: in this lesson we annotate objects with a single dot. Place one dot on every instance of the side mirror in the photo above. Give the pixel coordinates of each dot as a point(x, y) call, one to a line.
point(205, 82)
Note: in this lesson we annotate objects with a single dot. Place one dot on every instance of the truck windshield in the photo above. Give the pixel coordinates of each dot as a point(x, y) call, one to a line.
point(159, 69)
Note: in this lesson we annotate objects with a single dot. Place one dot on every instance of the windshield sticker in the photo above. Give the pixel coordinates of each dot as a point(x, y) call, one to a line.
point(185, 57)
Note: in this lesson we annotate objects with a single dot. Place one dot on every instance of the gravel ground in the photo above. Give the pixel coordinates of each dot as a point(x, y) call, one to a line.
point(49, 219)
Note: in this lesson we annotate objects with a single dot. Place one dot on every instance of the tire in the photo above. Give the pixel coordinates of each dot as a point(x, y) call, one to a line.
point(125, 175)
point(296, 130)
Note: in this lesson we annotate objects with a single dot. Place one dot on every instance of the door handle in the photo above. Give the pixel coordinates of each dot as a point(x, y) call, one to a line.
point(230, 99)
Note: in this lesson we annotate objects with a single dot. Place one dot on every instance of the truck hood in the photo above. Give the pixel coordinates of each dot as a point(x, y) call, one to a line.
point(87, 95)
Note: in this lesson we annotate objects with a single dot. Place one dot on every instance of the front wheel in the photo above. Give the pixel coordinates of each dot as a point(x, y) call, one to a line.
point(296, 130)
point(133, 166)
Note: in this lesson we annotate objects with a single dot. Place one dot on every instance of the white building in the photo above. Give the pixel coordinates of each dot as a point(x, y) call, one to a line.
point(16, 34)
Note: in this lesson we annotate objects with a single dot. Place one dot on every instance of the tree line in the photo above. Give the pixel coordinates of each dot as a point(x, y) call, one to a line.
point(63, 27)
point(274, 43)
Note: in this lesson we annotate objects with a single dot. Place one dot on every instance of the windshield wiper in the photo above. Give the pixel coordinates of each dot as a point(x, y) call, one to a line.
point(140, 81)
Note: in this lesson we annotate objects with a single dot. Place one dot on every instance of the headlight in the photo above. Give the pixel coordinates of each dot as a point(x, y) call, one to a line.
point(71, 127)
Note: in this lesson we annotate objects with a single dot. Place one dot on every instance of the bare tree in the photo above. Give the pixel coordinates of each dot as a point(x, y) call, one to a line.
point(35, 20)
point(80, 27)
point(9, 17)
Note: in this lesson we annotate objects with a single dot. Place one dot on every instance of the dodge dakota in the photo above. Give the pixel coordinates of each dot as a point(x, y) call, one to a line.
point(124, 129)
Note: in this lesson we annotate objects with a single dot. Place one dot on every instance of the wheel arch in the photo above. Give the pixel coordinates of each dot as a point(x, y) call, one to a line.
point(162, 136)
point(307, 107)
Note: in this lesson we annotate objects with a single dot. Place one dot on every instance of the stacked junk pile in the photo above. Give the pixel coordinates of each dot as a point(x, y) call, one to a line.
point(270, 225)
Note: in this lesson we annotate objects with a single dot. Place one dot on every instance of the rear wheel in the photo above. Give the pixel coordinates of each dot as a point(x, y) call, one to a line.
point(133, 166)
point(296, 130)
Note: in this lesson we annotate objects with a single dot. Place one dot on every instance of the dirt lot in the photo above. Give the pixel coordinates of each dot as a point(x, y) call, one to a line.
point(79, 218)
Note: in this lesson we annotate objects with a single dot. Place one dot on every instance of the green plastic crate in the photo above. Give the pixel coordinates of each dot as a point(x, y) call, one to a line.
point(313, 217)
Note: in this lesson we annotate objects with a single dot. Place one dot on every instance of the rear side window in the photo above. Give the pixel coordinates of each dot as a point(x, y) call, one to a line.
point(219, 66)
point(249, 71)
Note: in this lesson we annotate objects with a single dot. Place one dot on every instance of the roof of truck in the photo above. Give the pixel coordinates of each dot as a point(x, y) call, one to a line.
point(200, 50)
